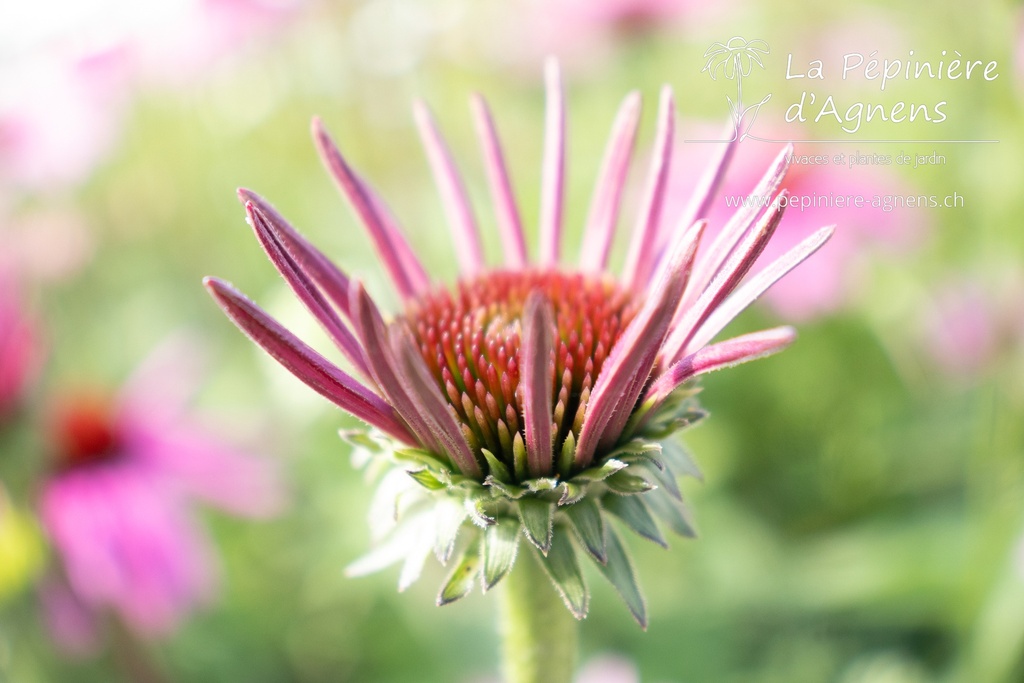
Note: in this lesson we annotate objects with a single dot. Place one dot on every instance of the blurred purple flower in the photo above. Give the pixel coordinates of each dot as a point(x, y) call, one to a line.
point(119, 509)
point(21, 346)
point(827, 282)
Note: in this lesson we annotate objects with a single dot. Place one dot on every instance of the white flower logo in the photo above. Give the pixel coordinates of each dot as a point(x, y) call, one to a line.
point(735, 60)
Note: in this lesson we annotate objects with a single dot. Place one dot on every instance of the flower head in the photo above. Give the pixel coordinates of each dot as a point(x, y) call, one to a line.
point(118, 508)
point(530, 399)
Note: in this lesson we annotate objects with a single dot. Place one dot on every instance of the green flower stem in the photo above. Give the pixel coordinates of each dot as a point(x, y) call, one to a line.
point(538, 633)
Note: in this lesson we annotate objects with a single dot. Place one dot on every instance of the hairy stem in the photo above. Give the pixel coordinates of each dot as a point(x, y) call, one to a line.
point(538, 633)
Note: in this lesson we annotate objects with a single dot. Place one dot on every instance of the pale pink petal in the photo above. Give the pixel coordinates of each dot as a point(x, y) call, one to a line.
point(756, 286)
point(418, 278)
point(510, 225)
point(465, 235)
point(631, 360)
point(553, 172)
point(710, 262)
point(604, 206)
point(710, 182)
point(725, 281)
point(642, 256)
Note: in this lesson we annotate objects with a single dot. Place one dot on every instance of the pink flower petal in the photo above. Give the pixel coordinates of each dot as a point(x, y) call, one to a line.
point(305, 290)
point(537, 382)
point(363, 203)
point(722, 355)
point(305, 363)
point(642, 256)
point(552, 197)
point(510, 224)
point(631, 360)
point(604, 206)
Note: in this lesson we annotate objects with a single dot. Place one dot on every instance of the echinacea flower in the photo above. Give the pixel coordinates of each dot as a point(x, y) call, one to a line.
point(536, 398)
point(119, 509)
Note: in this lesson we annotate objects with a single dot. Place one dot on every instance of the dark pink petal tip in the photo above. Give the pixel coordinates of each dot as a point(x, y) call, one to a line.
point(725, 354)
point(302, 284)
point(305, 363)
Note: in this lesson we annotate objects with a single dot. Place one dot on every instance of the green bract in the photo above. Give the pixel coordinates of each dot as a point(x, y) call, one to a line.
point(476, 529)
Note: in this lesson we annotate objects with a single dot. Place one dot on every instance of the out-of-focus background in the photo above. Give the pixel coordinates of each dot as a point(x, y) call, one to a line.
point(862, 514)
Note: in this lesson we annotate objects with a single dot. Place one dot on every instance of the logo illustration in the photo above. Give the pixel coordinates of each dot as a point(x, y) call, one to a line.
point(735, 60)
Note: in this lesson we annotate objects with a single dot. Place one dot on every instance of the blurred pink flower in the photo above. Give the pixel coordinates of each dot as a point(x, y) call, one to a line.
point(972, 323)
point(21, 346)
point(119, 509)
point(827, 282)
point(177, 41)
point(961, 330)
point(64, 94)
point(623, 15)
point(58, 119)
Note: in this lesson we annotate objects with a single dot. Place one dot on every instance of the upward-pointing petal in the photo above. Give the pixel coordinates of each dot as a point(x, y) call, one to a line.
point(604, 206)
point(453, 193)
point(633, 357)
point(510, 224)
point(552, 196)
point(331, 280)
point(536, 380)
point(414, 271)
point(710, 262)
point(756, 286)
point(725, 281)
point(707, 187)
point(363, 204)
point(304, 288)
point(305, 363)
point(642, 255)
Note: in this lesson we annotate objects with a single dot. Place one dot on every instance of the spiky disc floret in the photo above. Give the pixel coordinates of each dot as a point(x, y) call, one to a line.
point(470, 339)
